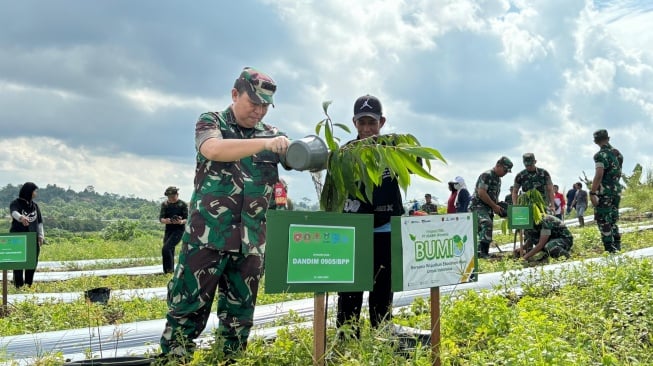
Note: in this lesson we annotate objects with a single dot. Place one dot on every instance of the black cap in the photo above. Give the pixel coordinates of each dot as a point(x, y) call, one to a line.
point(171, 190)
point(368, 105)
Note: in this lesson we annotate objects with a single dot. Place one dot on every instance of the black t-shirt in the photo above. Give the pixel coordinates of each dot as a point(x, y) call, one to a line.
point(169, 210)
point(386, 201)
point(28, 209)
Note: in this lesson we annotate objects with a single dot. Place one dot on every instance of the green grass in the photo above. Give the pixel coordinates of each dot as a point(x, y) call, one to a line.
point(600, 316)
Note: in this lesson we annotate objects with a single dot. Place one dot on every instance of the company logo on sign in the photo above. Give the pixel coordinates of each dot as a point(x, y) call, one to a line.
point(319, 238)
point(439, 248)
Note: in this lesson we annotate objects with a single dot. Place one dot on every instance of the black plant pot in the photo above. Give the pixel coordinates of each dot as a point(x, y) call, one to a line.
point(122, 361)
point(99, 295)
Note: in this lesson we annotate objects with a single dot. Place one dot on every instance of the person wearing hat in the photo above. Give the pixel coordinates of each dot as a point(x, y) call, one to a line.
point(605, 192)
point(386, 203)
point(550, 237)
point(26, 217)
point(173, 214)
point(533, 177)
point(485, 202)
point(223, 245)
point(429, 206)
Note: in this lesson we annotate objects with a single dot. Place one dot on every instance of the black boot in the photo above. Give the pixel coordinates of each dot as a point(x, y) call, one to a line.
point(484, 250)
point(617, 242)
point(581, 221)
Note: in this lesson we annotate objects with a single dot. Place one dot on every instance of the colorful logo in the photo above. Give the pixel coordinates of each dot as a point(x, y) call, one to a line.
point(438, 248)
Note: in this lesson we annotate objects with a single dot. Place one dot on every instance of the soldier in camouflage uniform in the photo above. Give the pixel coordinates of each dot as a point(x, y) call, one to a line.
point(605, 192)
point(485, 202)
point(534, 178)
point(550, 236)
point(224, 241)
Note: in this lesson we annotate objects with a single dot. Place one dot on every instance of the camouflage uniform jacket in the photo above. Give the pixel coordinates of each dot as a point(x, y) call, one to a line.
point(230, 199)
point(610, 159)
point(538, 179)
point(429, 208)
point(552, 226)
point(492, 184)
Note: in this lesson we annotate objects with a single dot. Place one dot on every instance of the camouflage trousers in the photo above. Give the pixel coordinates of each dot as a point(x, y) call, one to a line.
point(485, 225)
point(191, 291)
point(606, 215)
point(558, 247)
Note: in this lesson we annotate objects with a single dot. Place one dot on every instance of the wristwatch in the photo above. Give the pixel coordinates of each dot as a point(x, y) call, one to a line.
point(592, 193)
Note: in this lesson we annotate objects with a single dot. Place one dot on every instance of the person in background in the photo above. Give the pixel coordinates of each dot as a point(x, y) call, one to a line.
point(580, 203)
point(451, 202)
point(571, 194)
point(559, 201)
point(485, 202)
point(508, 198)
point(463, 197)
point(429, 207)
point(533, 177)
point(605, 192)
point(173, 214)
point(280, 199)
point(550, 236)
point(386, 203)
point(26, 217)
point(223, 246)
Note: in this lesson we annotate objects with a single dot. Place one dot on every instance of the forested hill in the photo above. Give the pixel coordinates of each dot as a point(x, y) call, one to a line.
point(81, 211)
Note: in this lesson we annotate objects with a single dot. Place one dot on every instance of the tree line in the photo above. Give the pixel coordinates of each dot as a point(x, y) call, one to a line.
point(84, 211)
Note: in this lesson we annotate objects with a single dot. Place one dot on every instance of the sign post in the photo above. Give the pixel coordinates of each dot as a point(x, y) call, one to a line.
point(17, 251)
point(520, 218)
point(318, 252)
point(430, 252)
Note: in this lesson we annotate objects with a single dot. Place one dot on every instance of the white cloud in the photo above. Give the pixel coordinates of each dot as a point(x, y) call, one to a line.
point(48, 161)
point(152, 101)
point(476, 79)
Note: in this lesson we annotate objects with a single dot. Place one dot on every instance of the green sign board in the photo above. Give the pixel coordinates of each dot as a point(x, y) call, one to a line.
point(520, 217)
point(318, 252)
point(18, 250)
point(323, 254)
point(433, 251)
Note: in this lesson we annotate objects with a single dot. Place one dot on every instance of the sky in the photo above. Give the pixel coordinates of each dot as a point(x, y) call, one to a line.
point(107, 93)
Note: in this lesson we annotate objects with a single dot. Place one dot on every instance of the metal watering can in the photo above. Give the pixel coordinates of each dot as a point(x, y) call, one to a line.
point(309, 153)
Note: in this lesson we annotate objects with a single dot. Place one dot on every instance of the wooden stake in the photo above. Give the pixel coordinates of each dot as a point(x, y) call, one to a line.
point(5, 307)
point(319, 328)
point(435, 326)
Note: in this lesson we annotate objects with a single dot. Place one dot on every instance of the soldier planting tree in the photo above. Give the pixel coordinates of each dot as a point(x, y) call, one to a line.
point(485, 202)
point(533, 177)
point(224, 242)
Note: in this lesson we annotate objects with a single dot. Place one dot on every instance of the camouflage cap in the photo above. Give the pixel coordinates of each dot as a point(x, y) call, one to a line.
point(529, 159)
point(260, 87)
point(601, 135)
point(171, 190)
point(506, 162)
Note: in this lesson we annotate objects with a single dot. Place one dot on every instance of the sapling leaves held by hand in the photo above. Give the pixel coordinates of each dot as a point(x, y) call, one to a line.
point(362, 163)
